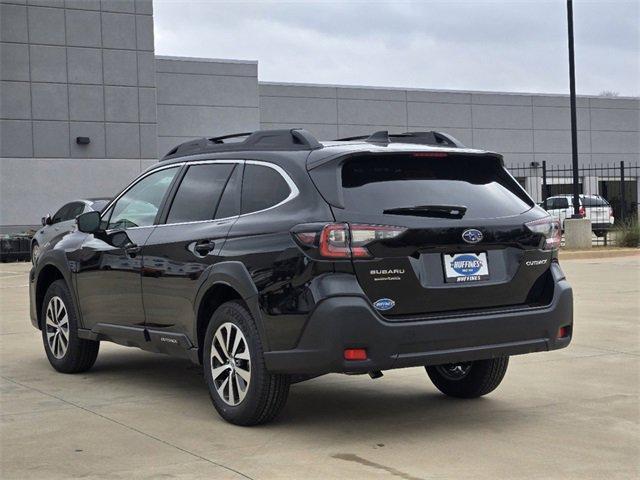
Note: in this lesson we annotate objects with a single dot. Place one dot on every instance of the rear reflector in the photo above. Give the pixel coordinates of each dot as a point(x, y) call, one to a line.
point(355, 354)
point(563, 332)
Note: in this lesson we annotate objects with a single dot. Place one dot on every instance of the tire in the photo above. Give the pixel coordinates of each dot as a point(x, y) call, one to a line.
point(265, 394)
point(67, 353)
point(599, 233)
point(472, 380)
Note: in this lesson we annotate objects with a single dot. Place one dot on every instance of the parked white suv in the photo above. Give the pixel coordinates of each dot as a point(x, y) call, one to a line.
point(593, 207)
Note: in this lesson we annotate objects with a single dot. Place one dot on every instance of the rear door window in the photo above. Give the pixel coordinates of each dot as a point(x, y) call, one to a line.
point(593, 201)
point(262, 188)
point(199, 192)
point(379, 183)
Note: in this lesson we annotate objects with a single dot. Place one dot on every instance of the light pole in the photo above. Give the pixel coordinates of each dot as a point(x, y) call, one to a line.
point(574, 125)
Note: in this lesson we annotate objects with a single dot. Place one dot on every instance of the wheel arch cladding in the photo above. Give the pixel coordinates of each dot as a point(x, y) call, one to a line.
point(48, 274)
point(226, 281)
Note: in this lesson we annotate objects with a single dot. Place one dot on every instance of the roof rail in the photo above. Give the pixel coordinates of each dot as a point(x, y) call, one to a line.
point(420, 138)
point(293, 139)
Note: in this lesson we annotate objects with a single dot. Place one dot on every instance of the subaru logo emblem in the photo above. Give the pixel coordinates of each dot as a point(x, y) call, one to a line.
point(472, 235)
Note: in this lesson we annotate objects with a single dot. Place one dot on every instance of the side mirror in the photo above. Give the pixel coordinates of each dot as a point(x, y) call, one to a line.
point(46, 220)
point(88, 222)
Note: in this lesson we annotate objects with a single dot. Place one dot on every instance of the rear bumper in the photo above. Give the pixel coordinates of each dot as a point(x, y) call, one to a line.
point(601, 226)
point(341, 322)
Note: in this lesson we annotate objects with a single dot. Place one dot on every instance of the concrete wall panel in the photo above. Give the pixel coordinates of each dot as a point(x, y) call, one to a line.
point(204, 66)
point(547, 118)
point(14, 62)
point(615, 119)
point(294, 110)
point(503, 140)
point(120, 67)
point(16, 140)
point(372, 112)
point(283, 90)
point(51, 138)
point(84, 65)
point(86, 102)
point(13, 23)
point(46, 25)
point(500, 116)
point(187, 89)
point(615, 142)
point(445, 114)
point(15, 100)
point(193, 121)
point(49, 101)
point(83, 28)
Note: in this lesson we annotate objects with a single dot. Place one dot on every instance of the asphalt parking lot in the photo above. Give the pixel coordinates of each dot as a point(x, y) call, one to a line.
point(573, 413)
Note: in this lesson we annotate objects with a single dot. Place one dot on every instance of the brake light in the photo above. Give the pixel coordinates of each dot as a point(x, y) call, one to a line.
point(549, 227)
point(430, 154)
point(581, 211)
point(355, 354)
point(341, 240)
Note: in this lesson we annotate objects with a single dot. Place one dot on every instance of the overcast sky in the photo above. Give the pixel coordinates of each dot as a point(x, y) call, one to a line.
point(518, 46)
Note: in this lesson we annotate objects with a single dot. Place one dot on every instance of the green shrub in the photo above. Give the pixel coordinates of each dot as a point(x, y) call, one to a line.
point(628, 233)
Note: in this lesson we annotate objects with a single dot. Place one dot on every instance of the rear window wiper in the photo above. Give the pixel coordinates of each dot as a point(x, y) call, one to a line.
point(437, 211)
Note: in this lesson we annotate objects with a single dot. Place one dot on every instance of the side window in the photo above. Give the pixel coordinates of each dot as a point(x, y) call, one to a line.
point(562, 203)
point(199, 192)
point(229, 205)
point(139, 205)
point(75, 209)
point(262, 187)
point(61, 214)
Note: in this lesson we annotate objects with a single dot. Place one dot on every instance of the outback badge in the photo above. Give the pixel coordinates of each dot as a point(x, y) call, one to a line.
point(471, 235)
point(384, 304)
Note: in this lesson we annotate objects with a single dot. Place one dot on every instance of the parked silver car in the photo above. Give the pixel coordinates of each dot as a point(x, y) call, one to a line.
point(62, 222)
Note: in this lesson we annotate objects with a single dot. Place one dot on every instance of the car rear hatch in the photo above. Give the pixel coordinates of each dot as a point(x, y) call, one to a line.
point(461, 242)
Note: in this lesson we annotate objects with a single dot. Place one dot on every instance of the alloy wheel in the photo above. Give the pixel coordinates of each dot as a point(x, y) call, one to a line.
point(230, 364)
point(57, 327)
point(454, 371)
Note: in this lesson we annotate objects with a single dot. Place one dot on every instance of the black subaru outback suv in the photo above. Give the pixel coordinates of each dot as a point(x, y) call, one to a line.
point(280, 258)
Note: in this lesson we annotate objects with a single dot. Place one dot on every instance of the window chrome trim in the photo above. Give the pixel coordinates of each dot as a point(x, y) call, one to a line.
point(293, 189)
point(129, 187)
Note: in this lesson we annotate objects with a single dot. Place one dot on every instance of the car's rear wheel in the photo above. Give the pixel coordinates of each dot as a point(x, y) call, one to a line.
point(599, 233)
point(66, 352)
point(469, 379)
point(241, 389)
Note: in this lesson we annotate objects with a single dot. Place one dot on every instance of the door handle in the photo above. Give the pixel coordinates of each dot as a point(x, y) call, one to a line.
point(132, 249)
point(203, 247)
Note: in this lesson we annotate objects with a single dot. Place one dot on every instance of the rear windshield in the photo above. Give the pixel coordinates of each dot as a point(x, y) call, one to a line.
point(374, 184)
point(593, 201)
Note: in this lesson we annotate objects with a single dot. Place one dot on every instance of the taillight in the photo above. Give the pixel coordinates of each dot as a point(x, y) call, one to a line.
point(342, 241)
point(581, 212)
point(550, 228)
point(610, 212)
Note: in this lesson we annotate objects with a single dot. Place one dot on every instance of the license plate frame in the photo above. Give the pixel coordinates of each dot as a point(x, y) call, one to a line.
point(465, 267)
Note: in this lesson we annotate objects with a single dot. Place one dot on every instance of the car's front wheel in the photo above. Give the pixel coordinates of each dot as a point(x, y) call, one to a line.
point(469, 379)
point(241, 389)
point(66, 352)
point(35, 252)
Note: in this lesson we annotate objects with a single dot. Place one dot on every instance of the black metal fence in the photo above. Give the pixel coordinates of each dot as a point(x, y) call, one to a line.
point(617, 183)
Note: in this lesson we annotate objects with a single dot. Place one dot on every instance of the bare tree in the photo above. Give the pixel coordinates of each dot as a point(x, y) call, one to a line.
point(608, 93)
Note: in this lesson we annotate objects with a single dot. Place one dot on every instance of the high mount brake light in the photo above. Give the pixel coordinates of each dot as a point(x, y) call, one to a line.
point(430, 154)
point(550, 228)
point(341, 240)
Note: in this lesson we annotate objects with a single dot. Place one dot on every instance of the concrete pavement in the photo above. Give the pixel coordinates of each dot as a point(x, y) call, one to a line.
point(572, 413)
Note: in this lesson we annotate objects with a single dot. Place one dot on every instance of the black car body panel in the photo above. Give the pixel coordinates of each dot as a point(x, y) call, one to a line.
point(150, 282)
